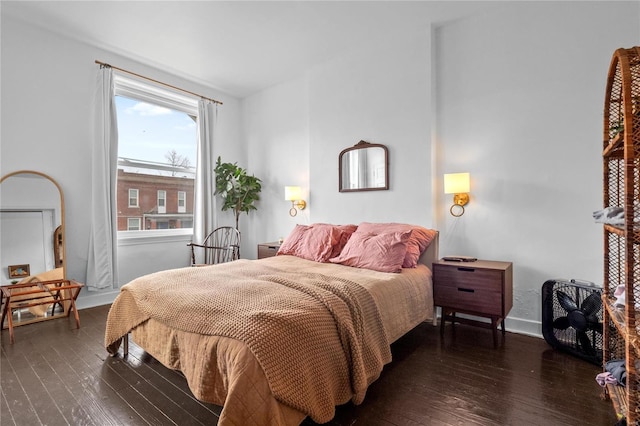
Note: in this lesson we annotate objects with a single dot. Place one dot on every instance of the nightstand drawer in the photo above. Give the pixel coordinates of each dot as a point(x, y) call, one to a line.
point(469, 276)
point(268, 249)
point(467, 298)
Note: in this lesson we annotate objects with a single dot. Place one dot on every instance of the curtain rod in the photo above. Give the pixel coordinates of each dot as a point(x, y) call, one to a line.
point(158, 82)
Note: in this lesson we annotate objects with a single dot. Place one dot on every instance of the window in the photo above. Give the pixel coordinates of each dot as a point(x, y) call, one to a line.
point(162, 201)
point(182, 202)
point(133, 224)
point(157, 145)
point(133, 198)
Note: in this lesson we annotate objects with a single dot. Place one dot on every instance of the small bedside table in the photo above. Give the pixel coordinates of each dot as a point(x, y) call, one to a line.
point(268, 249)
point(483, 288)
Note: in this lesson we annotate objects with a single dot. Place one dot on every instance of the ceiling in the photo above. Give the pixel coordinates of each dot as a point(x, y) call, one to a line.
point(238, 47)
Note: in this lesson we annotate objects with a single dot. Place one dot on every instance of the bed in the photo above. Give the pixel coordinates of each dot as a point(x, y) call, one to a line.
point(278, 339)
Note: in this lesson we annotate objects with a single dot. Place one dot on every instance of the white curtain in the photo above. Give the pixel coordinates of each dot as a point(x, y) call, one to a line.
point(204, 211)
point(102, 271)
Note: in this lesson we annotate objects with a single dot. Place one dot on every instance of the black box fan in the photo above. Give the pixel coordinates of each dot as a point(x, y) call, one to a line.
point(572, 318)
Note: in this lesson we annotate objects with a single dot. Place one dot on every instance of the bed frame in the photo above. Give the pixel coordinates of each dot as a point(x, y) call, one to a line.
point(429, 256)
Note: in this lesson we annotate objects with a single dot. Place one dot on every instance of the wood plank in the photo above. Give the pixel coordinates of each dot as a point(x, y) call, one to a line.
point(6, 416)
point(459, 380)
point(97, 397)
point(39, 404)
point(57, 388)
point(170, 383)
point(14, 393)
point(150, 391)
point(136, 374)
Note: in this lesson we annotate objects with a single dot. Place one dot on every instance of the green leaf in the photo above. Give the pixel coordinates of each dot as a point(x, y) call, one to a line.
point(238, 190)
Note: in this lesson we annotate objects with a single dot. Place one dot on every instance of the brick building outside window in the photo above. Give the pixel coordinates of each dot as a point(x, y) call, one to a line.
point(178, 201)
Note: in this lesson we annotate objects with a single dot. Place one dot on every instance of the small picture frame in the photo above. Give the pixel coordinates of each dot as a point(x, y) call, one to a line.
point(19, 271)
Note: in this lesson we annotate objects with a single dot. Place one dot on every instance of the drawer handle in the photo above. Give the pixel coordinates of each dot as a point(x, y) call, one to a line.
point(466, 290)
point(466, 269)
point(272, 248)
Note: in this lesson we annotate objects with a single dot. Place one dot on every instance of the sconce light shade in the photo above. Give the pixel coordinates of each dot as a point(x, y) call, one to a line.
point(294, 194)
point(457, 184)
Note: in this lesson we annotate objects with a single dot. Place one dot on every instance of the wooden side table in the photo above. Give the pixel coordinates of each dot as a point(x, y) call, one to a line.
point(268, 249)
point(482, 288)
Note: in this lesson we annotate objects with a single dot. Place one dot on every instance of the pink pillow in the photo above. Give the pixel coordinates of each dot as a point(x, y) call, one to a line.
point(315, 242)
point(380, 252)
point(347, 231)
point(418, 242)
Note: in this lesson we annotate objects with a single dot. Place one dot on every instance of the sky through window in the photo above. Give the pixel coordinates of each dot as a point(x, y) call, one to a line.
point(148, 132)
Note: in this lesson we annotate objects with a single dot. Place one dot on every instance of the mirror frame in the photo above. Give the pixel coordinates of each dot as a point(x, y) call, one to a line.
point(364, 145)
point(63, 246)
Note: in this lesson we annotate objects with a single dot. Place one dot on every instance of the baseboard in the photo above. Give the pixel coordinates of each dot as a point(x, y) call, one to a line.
point(512, 325)
point(524, 326)
point(92, 299)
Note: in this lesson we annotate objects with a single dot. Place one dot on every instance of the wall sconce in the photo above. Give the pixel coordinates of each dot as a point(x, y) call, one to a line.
point(294, 194)
point(458, 184)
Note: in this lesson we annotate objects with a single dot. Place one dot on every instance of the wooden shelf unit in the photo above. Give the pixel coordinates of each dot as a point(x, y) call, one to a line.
point(621, 188)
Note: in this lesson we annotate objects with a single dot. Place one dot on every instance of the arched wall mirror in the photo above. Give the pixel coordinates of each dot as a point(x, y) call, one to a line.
point(32, 240)
point(363, 167)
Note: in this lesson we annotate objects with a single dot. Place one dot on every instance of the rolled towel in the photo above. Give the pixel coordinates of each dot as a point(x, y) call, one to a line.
point(620, 295)
point(610, 215)
point(606, 378)
point(618, 370)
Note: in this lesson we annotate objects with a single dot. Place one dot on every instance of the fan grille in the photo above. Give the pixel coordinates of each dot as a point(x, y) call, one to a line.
point(572, 319)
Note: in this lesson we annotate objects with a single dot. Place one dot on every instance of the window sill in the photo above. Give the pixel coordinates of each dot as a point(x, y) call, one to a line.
point(156, 236)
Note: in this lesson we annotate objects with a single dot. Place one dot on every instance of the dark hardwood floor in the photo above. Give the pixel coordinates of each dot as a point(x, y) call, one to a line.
point(55, 374)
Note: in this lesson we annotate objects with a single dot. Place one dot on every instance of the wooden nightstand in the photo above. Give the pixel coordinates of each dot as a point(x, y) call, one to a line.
point(482, 288)
point(268, 249)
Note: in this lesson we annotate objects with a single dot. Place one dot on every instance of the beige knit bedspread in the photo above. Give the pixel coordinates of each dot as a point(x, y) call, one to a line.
point(318, 339)
point(224, 371)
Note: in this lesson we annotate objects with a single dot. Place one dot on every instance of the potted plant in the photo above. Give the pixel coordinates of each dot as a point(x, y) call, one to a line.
point(238, 190)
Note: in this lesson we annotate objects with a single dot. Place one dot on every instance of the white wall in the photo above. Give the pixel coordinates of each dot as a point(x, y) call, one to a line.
point(47, 104)
point(276, 128)
point(296, 132)
point(520, 108)
point(380, 96)
point(518, 95)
